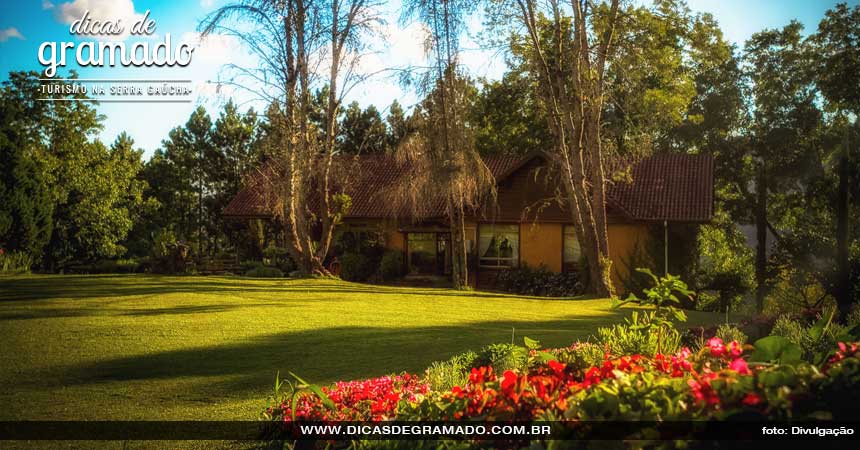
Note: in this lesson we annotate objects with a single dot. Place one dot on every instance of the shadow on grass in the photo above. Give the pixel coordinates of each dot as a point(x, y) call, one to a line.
point(325, 355)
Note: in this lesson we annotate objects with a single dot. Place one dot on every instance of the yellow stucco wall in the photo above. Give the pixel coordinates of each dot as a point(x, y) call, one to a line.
point(623, 239)
point(540, 243)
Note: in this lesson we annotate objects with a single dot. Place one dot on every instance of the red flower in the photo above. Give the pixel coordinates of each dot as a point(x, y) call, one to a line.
point(509, 380)
point(703, 392)
point(751, 399)
point(591, 377)
point(481, 375)
point(457, 391)
point(557, 367)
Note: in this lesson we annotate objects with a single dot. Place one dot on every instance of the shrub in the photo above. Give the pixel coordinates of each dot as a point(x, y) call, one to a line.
point(246, 266)
point(539, 281)
point(759, 325)
point(502, 357)
point(168, 254)
point(116, 266)
point(789, 328)
point(636, 335)
point(729, 333)
point(813, 338)
point(391, 266)
point(15, 262)
point(696, 337)
point(279, 257)
point(265, 272)
point(653, 332)
point(444, 375)
point(580, 356)
point(356, 267)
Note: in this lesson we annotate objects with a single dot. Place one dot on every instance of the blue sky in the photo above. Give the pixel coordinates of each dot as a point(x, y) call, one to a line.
point(25, 24)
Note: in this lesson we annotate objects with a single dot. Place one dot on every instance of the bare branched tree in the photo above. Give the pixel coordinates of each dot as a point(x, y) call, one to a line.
point(300, 46)
point(567, 46)
point(442, 162)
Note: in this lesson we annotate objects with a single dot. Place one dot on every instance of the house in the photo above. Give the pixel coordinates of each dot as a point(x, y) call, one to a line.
point(526, 225)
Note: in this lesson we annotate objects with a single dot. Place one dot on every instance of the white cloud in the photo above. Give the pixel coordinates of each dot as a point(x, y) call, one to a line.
point(207, 3)
point(46, 4)
point(407, 45)
point(215, 48)
point(10, 33)
point(101, 10)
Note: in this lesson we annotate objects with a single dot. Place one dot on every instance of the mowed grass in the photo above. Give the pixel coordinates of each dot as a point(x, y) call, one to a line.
point(130, 347)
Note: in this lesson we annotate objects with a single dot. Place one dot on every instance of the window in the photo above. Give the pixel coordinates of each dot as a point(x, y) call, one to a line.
point(355, 239)
point(571, 252)
point(499, 245)
point(422, 253)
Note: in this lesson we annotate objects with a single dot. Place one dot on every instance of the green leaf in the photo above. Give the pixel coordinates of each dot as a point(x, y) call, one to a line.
point(816, 332)
point(679, 315)
point(546, 356)
point(531, 344)
point(648, 272)
point(326, 401)
point(852, 335)
point(776, 349)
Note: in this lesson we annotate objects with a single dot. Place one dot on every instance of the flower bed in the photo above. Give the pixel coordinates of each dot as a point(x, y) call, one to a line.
point(717, 382)
point(374, 399)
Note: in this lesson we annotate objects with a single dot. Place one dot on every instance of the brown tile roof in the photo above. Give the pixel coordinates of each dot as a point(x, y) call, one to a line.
point(664, 187)
point(674, 187)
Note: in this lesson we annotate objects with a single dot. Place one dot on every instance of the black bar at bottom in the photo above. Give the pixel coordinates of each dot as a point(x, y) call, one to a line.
point(473, 430)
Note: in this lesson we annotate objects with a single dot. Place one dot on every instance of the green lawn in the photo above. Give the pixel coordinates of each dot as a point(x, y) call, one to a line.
point(151, 347)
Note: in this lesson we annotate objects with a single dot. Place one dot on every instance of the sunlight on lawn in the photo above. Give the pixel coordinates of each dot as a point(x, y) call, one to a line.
point(90, 347)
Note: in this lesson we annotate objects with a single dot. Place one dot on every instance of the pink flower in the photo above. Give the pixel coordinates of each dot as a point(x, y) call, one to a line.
point(735, 350)
point(716, 346)
point(740, 366)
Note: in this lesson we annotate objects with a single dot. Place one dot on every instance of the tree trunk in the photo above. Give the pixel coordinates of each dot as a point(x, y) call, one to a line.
point(464, 251)
point(457, 257)
point(761, 240)
point(603, 286)
point(843, 288)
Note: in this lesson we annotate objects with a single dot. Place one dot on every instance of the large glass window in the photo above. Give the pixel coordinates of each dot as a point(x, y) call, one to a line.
point(422, 253)
point(499, 245)
point(571, 252)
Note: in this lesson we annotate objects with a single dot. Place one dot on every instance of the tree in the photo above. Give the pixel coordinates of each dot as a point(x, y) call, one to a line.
point(71, 188)
point(837, 43)
point(785, 116)
point(177, 176)
point(440, 155)
point(508, 119)
point(26, 200)
point(569, 56)
point(293, 39)
point(398, 126)
point(362, 131)
point(111, 200)
point(236, 152)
